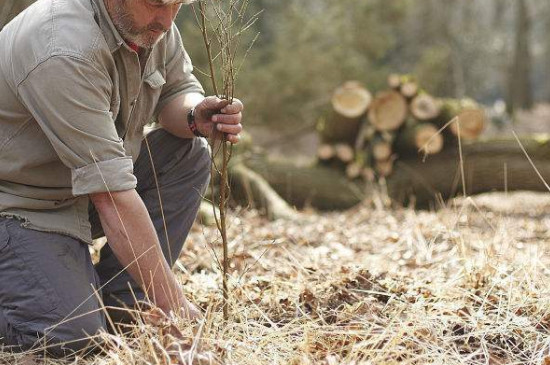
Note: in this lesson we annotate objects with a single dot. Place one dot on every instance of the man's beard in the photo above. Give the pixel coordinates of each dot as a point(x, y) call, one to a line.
point(127, 28)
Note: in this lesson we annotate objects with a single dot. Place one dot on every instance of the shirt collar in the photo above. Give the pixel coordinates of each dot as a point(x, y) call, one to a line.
point(111, 34)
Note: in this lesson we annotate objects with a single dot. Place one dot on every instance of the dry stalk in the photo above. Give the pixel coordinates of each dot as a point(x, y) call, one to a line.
point(225, 15)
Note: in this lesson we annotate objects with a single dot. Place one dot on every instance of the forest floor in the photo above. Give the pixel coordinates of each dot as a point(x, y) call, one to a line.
point(467, 284)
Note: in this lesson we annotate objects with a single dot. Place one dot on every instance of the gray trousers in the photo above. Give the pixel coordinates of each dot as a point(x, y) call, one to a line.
point(49, 289)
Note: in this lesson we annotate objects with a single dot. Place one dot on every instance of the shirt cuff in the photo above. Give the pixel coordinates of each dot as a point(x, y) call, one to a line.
point(103, 176)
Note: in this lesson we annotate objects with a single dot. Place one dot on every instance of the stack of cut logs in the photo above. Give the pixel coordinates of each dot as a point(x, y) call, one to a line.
point(364, 136)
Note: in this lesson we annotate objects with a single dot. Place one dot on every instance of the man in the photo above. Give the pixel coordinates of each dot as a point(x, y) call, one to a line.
point(79, 80)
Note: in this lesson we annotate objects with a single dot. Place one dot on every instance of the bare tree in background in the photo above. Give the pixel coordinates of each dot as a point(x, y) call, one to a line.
point(520, 93)
point(499, 8)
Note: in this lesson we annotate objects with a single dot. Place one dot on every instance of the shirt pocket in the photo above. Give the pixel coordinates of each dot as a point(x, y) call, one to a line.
point(147, 102)
point(155, 80)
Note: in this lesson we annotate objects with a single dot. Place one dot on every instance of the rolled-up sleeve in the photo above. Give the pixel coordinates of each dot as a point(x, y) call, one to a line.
point(179, 71)
point(69, 98)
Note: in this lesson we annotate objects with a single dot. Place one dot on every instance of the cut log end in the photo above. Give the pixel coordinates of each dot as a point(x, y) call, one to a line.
point(384, 168)
point(409, 89)
point(425, 107)
point(353, 170)
point(381, 150)
point(469, 124)
point(428, 140)
point(388, 111)
point(394, 81)
point(325, 152)
point(344, 152)
point(351, 99)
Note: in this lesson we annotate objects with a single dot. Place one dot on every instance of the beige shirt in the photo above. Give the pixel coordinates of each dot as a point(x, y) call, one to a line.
point(73, 104)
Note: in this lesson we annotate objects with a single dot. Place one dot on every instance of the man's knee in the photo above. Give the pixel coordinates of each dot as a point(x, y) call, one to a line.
point(68, 336)
point(77, 334)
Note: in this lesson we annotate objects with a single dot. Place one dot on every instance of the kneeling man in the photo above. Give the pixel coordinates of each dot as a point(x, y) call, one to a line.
point(79, 80)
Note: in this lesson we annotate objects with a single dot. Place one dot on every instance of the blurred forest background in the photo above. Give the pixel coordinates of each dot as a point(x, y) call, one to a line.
point(494, 51)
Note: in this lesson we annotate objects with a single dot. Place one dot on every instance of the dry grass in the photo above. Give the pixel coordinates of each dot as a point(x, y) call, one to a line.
point(467, 284)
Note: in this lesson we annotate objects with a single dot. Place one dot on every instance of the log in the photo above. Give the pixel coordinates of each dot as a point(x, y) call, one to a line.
point(248, 186)
point(349, 104)
point(469, 115)
point(413, 180)
point(344, 152)
point(381, 150)
point(425, 107)
point(326, 152)
point(388, 111)
point(354, 170)
point(384, 168)
point(207, 214)
point(394, 81)
point(368, 174)
point(365, 135)
point(388, 136)
point(485, 164)
point(316, 186)
point(409, 89)
point(421, 138)
point(351, 99)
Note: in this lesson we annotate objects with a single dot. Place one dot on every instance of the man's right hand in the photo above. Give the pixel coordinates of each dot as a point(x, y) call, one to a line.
point(133, 240)
point(215, 115)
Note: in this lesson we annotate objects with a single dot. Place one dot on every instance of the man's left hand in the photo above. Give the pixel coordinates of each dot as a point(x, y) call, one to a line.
point(219, 116)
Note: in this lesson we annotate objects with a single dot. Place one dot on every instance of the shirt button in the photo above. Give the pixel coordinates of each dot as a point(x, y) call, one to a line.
point(133, 102)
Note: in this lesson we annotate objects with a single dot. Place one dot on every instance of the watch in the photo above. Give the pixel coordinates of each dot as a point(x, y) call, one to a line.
point(192, 124)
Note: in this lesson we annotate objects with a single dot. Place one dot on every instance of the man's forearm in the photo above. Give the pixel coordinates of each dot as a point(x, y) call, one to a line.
point(173, 118)
point(132, 238)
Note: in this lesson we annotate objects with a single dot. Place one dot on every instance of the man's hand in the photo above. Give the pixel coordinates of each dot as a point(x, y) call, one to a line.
point(190, 311)
point(133, 239)
point(217, 115)
point(212, 115)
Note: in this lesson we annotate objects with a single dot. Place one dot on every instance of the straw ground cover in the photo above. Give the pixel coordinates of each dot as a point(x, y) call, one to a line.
point(373, 285)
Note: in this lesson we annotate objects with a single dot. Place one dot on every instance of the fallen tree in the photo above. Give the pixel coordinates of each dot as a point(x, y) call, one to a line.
point(489, 165)
point(320, 187)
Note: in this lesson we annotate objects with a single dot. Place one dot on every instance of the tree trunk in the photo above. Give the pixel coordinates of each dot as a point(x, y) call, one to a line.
point(319, 187)
point(419, 139)
point(409, 89)
point(519, 89)
point(388, 111)
point(325, 152)
point(470, 117)
point(425, 107)
point(496, 165)
point(349, 104)
point(394, 81)
point(381, 150)
point(249, 187)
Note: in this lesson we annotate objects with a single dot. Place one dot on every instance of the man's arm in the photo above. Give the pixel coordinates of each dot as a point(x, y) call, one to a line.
point(133, 239)
point(210, 112)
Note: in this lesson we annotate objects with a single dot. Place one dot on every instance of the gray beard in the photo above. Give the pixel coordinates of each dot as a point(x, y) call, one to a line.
point(126, 27)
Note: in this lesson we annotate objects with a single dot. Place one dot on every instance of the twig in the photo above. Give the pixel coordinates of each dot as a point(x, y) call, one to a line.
point(222, 31)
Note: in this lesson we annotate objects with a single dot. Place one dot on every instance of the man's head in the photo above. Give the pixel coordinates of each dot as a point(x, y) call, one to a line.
point(143, 22)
